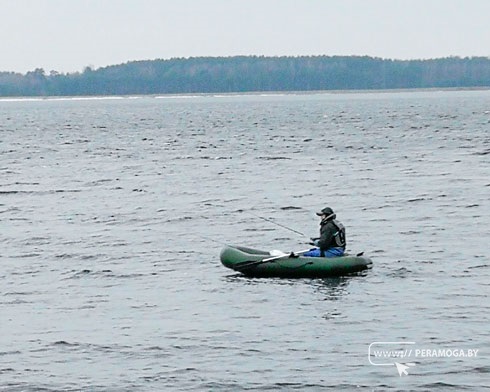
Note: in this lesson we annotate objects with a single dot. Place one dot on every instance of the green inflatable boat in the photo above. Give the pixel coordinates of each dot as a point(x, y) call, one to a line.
point(259, 263)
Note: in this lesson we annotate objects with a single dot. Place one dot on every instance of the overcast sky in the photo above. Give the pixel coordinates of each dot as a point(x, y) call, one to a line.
point(67, 35)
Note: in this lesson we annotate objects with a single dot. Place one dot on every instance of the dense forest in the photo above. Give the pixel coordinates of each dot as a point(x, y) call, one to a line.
point(252, 73)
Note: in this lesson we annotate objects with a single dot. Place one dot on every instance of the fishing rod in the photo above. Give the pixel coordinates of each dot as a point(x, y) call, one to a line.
point(275, 223)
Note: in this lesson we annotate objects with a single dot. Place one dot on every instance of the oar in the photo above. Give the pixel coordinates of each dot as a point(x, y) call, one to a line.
point(248, 264)
point(292, 254)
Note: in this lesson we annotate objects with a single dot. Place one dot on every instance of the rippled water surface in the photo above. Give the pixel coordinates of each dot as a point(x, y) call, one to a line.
point(113, 213)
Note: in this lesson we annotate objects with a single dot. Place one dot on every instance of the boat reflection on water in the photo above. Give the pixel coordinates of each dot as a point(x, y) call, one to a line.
point(330, 289)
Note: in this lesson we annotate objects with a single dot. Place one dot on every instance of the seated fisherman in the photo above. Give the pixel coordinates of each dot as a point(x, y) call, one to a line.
point(332, 236)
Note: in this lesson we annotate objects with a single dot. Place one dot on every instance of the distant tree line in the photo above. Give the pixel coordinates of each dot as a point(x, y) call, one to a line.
point(252, 73)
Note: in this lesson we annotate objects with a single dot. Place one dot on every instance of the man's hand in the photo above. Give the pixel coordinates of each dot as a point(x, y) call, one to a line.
point(314, 241)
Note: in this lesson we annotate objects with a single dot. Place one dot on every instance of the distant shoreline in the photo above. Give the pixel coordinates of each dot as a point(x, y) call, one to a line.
point(253, 74)
point(233, 94)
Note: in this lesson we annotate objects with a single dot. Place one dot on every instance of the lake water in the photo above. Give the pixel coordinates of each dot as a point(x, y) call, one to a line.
point(113, 213)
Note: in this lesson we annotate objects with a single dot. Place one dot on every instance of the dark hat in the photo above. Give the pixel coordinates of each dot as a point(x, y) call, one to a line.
point(326, 211)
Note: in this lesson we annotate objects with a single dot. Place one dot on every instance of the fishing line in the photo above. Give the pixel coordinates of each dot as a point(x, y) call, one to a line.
point(275, 223)
point(211, 239)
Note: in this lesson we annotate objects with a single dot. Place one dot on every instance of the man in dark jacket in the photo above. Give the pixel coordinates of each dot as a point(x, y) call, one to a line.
point(332, 236)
